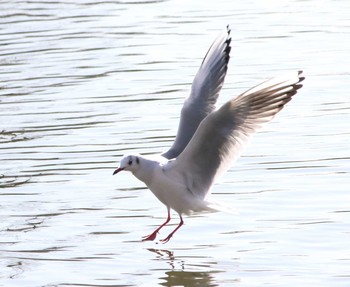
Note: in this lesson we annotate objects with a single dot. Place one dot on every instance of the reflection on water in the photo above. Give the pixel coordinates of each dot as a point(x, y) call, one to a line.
point(177, 274)
point(166, 255)
point(183, 278)
point(84, 82)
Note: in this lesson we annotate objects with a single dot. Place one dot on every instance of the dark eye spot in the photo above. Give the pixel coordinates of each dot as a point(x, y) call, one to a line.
point(137, 160)
point(130, 162)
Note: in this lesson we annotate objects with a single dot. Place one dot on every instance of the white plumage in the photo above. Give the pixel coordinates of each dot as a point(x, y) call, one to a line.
point(209, 141)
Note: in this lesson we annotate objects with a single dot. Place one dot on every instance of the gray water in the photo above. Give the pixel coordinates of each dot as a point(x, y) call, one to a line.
point(83, 82)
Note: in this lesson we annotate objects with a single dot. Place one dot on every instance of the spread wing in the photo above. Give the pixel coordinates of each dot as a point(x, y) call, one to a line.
point(223, 134)
point(204, 92)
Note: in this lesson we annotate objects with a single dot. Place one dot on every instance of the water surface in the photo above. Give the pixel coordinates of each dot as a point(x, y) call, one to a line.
point(83, 83)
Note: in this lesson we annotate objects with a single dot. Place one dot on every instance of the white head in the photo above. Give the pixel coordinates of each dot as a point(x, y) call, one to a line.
point(129, 162)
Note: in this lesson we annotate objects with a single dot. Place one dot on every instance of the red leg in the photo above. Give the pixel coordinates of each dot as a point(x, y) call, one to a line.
point(165, 240)
point(154, 234)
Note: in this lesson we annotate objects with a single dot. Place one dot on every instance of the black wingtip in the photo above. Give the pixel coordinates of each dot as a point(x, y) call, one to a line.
point(228, 44)
point(301, 76)
point(228, 40)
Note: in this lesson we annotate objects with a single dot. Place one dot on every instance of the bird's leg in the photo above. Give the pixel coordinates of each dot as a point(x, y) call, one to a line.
point(154, 234)
point(165, 240)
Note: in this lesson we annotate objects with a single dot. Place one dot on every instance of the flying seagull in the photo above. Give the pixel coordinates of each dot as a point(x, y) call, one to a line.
point(208, 139)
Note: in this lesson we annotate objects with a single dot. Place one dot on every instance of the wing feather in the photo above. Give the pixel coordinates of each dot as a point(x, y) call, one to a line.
point(204, 92)
point(223, 134)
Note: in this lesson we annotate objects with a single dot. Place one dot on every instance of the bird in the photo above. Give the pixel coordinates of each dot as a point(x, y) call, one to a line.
point(208, 139)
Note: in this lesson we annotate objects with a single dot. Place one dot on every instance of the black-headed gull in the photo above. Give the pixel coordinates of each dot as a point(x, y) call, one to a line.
point(208, 141)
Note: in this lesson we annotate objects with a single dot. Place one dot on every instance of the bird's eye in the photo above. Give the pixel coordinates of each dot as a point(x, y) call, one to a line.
point(130, 162)
point(137, 160)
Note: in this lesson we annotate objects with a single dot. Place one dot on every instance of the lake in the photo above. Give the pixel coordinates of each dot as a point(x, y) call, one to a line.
point(83, 83)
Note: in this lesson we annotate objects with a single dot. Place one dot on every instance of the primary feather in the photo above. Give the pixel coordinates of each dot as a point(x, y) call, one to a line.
point(205, 90)
point(221, 136)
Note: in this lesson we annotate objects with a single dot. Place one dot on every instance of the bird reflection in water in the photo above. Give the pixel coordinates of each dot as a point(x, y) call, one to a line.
point(182, 277)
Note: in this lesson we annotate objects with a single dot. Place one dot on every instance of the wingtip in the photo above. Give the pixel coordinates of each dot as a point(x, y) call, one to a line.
point(301, 76)
point(228, 44)
point(228, 30)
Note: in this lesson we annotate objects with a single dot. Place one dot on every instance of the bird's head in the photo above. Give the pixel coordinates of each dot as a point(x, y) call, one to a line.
point(128, 163)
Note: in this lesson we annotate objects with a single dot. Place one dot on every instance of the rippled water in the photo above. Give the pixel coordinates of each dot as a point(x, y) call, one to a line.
point(83, 83)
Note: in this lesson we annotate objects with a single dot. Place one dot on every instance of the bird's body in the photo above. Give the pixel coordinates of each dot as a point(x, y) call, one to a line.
point(169, 185)
point(208, 140)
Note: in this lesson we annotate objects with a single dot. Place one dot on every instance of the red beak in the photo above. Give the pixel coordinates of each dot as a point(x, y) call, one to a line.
point(118, 170)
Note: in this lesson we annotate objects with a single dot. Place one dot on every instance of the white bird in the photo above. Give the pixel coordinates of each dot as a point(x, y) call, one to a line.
point(208, 141)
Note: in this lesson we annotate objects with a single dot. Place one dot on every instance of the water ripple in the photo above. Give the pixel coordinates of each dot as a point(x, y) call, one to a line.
point(84, 82)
